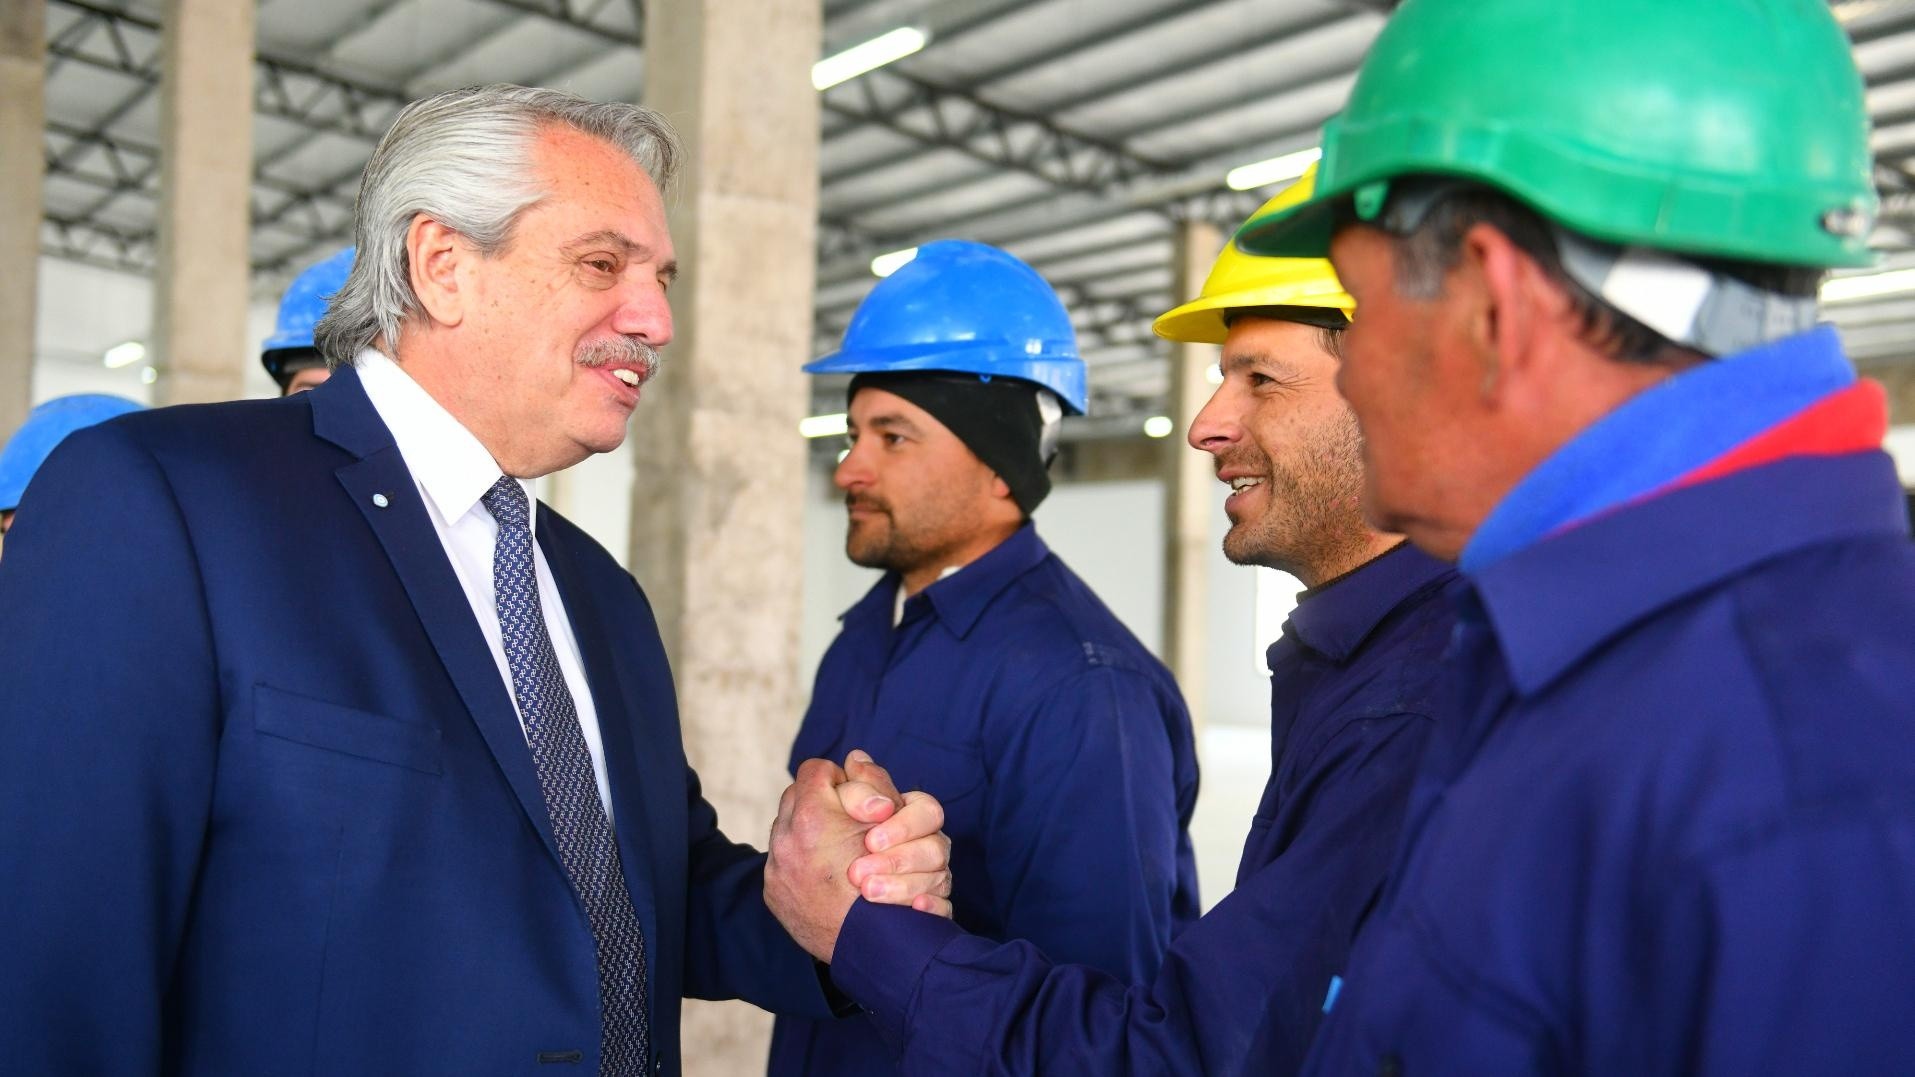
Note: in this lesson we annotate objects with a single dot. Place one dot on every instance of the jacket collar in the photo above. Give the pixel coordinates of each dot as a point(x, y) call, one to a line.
point(1334, 619)
point(1553, 603)
point(960, 599)
point(343, 414)
point(1654, 439)
point(381, 490)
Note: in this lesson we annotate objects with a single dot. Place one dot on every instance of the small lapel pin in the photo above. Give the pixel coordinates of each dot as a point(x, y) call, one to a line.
point(380, 501)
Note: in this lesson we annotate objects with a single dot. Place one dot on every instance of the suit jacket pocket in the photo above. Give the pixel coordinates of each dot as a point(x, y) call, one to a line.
point(347, 730)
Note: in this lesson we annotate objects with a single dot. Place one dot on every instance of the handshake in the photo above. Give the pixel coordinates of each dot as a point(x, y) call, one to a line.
point(842, 833)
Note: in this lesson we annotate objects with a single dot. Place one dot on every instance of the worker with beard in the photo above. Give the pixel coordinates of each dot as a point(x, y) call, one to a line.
point(980, 668)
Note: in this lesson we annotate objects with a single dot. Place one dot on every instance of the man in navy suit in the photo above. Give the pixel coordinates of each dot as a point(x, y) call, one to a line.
point(424, 808)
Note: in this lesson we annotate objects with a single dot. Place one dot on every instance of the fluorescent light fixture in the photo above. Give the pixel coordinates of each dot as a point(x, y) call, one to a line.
point(867, 56)
point(126, 354)
point(1214, 375)
point(1158, 426)
point(823, 426)
point(1275, 170)
point(1868, 285)
point(886, 264)
point(149, 375)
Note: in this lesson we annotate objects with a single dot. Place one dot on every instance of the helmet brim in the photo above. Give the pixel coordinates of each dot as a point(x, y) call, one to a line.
point(1056, 368)
point(1206, 319)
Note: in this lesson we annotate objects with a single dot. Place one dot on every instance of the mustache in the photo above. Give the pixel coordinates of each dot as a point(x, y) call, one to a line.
point(1252, 459)
point(865, 501)
point(620, 351)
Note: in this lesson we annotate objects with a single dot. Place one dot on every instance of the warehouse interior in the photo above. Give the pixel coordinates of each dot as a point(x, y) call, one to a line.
point(172, 165)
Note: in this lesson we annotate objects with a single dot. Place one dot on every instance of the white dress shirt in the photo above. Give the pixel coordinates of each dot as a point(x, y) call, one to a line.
point(453, 471)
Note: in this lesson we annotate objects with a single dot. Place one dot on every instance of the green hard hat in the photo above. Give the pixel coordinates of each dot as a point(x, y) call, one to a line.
point(1724, 128)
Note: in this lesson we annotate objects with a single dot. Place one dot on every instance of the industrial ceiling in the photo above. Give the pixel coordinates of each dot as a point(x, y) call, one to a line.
point(1075, 133)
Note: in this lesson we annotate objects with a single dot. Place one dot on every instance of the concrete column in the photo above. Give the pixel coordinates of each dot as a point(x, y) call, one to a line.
point(1190, 482)
point(206, 171)
point(718, 507)
point(23, 77)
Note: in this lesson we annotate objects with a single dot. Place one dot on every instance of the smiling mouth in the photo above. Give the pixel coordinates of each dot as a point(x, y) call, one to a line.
point(1242, 483)
point(631, 361)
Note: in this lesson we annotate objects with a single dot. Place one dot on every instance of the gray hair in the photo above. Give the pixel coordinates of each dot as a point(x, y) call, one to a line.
point(464, 158)
point(1430, 244)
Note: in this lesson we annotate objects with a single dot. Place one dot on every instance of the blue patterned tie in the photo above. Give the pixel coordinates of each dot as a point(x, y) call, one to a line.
point(584, 834)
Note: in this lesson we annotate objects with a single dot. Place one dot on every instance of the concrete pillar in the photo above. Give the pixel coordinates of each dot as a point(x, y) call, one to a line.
point(23, 77)
point(718, 507)
point(206, 171)
point(1190, 482)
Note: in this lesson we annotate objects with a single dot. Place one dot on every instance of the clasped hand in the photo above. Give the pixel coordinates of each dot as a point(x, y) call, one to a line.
point(846, 832)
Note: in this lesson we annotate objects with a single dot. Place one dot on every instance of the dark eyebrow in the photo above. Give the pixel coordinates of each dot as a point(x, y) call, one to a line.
point(611, 237)
point(1241, 360)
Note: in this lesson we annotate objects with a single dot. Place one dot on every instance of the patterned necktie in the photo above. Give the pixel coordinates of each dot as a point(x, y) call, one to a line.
point(579, 825)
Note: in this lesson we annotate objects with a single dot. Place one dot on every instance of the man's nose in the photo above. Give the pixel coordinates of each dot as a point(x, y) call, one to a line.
point(643, 312)
point(1216, 426)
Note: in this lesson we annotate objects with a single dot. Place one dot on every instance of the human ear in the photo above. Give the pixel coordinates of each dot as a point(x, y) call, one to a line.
point(1511, 300)
point(434, 253)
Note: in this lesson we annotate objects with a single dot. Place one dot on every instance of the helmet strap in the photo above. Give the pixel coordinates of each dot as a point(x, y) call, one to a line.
point(1691, 305)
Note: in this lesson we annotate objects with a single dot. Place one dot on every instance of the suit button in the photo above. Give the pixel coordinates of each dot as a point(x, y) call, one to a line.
point(1389, 1065)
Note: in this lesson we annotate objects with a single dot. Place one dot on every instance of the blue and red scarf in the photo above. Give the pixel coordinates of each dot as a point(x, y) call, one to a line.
point(1794, 397)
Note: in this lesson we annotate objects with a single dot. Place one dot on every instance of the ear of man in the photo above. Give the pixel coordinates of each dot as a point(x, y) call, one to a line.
point(1539, 364)
point(434, 256)
point(1517, 321)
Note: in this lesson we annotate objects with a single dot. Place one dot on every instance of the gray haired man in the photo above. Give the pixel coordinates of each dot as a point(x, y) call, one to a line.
point(423, 809)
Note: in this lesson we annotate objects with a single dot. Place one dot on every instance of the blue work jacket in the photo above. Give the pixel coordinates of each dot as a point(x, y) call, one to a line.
point(1356, 689)
point(1059, 747)
point(1677, 832)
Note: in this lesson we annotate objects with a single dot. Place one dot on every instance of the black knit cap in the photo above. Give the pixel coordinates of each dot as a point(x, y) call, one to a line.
point(998, 419)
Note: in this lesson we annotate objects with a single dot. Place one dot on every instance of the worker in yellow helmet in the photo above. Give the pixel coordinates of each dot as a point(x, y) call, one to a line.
point(1354, 699)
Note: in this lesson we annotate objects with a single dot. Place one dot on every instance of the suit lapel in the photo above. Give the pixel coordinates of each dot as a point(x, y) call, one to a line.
point(617, 718)
point(343, 415)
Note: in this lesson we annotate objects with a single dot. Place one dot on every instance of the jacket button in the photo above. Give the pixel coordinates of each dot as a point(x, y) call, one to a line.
point(1389, 1065)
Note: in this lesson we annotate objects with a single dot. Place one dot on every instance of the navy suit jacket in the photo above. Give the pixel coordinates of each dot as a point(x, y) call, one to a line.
point(265, 804)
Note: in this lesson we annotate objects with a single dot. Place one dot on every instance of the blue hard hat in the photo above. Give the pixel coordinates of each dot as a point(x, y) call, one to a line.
point(47, 426)
point(301, 308)
point(967, 308)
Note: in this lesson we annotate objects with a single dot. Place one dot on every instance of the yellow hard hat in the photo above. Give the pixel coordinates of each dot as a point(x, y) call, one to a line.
point(1239, 280)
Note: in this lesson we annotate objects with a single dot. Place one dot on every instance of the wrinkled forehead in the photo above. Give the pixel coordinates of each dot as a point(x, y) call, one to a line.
point(591, 185)
point(1275, 345)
